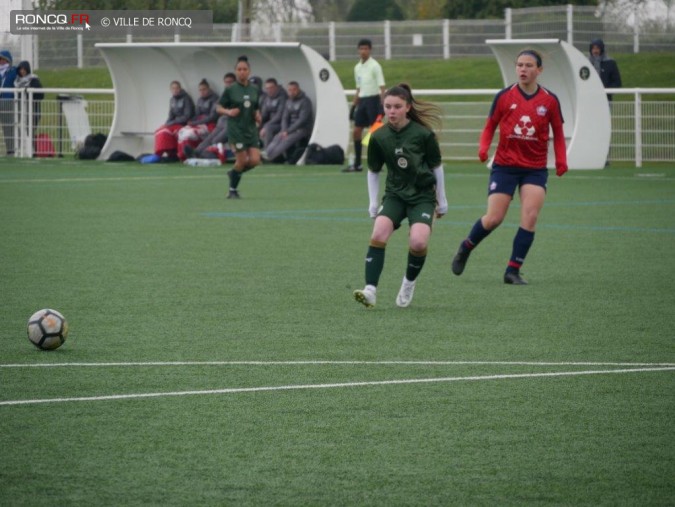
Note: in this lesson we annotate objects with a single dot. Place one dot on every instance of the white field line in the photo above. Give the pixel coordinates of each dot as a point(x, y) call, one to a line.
point(299, 387)
point(327, 363)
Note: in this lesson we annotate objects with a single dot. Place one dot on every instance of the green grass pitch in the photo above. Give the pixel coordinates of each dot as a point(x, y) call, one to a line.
point(216, 356)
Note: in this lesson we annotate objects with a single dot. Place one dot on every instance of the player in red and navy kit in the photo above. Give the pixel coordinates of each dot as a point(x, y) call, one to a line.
point(524, 112)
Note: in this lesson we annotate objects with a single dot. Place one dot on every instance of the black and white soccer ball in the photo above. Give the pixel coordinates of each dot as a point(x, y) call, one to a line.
point(47, 329)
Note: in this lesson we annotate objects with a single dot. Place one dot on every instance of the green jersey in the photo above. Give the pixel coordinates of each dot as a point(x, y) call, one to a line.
point(410, 154)
point(242, 131)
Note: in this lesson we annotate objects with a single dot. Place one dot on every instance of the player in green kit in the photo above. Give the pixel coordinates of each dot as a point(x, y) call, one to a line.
point(239, 103)
point(414, 188)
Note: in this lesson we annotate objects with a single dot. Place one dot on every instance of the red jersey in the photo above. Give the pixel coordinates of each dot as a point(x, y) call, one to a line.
point(524, 122)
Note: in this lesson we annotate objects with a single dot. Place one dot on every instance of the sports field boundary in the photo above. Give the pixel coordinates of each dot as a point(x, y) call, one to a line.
point(239, 390)
point(319, 362)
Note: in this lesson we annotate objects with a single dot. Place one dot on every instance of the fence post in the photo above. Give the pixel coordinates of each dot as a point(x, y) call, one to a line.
point(387, 40)
point(570, 24)
point(636, 31)
point(446, 39)
point(638, 129)
point(331, 41)
point(277, 32)
point(80, 54)
point(29, 142)
point(130, 38)
point(508, 23)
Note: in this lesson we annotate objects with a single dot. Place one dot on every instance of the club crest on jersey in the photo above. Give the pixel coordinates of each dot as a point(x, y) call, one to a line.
point(402, 162)
point(541, 110)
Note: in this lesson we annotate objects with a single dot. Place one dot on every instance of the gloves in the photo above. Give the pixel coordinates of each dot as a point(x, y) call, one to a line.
point(560, 169)
point(483, 155)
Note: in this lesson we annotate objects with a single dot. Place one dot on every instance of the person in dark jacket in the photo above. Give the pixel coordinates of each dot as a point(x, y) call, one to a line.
point(214, 144)
point(606, 67)
point(296, 123)
point(203, 122)
point(7, 78)
point(271, 110)
point(26, 79)
point(181, 109)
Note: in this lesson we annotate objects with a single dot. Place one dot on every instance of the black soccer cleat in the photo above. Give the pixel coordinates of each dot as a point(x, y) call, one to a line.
point(459, 261)
point(233, 194)
point(514, 278)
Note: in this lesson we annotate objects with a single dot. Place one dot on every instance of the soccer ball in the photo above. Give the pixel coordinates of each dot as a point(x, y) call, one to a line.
point(47, 329)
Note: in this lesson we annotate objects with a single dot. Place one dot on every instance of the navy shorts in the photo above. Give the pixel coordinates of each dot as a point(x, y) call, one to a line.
point(367, 111)
point(505, 180)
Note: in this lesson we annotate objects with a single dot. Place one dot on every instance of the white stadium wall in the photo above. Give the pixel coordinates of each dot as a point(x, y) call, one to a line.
point(569, 74)
point(141, 74)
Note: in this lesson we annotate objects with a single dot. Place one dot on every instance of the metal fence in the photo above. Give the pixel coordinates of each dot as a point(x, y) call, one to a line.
point(440, 39)
point(643, 122)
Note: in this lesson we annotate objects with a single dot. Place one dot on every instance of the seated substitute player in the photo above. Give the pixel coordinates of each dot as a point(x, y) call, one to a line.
point(203, 122)
point(414, 189)
point(296, 123)
point(524, 112)
point(181, 109)
point(272, 105)
point(212, 146)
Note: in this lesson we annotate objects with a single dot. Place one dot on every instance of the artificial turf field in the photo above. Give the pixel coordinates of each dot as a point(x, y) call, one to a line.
point(216, 356)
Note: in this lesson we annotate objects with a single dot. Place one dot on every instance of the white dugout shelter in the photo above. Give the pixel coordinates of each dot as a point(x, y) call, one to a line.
point(141, 74)
point(569, 74)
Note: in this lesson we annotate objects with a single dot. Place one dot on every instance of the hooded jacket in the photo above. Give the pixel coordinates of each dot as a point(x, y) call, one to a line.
point(8, 76)
point(298, 115)
point(605, 66)
point(181, 109)
point(30, 80)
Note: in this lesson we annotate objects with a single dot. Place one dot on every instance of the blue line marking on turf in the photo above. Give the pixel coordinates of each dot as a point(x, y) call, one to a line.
point(337, 215)
point(299, 215)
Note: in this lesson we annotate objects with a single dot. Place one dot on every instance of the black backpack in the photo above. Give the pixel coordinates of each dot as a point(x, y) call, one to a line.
point(93, 144)
point(318, 155)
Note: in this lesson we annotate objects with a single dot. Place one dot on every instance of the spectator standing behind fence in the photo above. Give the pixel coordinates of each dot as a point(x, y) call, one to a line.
point(26, 79)
point(239, 103)
point(296, 125)
point(204, 121)
point(271, 110)
point(181, 109)
point(368, 99)
point(7, 78)
point(606, 67)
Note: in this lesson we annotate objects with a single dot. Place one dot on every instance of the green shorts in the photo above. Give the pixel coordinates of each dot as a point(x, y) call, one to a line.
point(244, 146)
point(396, 209)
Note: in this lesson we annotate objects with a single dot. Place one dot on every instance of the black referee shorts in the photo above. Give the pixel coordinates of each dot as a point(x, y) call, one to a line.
point(367, 111)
